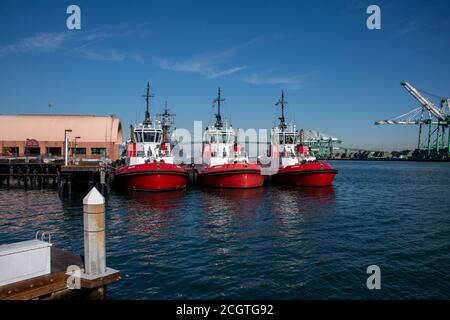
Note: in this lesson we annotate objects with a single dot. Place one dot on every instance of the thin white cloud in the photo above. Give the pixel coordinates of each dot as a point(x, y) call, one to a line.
point(184, 66)
point(210, 65)
point(405, 31)
point(207, 65)
point(81, 41)
point(290, 82)
point(43, 42)
point(227, 72)
point(106, 54)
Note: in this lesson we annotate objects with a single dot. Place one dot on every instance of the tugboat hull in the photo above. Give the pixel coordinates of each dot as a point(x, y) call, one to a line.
point(152, 177)
point(235, 175)
point(316, 174)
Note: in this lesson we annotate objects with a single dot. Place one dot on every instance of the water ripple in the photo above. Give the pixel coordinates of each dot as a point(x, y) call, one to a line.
point(273, 242)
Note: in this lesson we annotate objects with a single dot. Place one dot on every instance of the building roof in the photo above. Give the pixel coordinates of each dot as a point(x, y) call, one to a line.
point(44, 127)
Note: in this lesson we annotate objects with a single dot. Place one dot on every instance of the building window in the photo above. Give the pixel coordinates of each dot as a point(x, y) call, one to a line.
point(10, 151)
point(53, 151)
point(32, 151)
point(79, 150)
point(100, 151)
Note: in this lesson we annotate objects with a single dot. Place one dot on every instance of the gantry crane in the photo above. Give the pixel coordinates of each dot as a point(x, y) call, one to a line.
point(436, 118)
point(322, 144)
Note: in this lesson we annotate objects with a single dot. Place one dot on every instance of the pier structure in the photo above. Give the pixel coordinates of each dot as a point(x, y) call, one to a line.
point(89, 175)
point(28, 174)
point(36, 269)
point(31, 173)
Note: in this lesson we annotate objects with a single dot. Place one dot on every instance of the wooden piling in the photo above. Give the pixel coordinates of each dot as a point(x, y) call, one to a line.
point(69, 185)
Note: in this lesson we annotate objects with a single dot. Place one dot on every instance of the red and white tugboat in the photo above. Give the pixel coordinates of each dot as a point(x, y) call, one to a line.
point(148, 165)
point(297, 164)
point(224, 165)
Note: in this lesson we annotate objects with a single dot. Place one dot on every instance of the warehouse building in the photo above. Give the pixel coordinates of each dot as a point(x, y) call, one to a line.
point(90, 137)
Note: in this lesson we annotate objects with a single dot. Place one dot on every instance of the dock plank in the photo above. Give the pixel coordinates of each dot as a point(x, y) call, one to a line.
point(54, 282)
point(34, 287)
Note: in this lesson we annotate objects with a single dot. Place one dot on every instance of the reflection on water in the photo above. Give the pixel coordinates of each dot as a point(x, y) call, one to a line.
point(272, 242)
point(152, 202)
point(23, 212)
point(149, 213)
point(287, 200)
point(223, 208)
point(231, 200)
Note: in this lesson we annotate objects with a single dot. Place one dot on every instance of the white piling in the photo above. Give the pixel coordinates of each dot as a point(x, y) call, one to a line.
point(66, 151)
point(94, 233)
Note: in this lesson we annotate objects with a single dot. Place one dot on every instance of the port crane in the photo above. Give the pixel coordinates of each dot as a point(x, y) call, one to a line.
point(437, 119)
point(322, 144)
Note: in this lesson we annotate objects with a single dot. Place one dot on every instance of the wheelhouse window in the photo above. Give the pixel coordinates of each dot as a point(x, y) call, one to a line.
point(138, 136)
point(287, 138)
point(219, 138)
point(290, 138)
point(147, 136)
point(224, 137)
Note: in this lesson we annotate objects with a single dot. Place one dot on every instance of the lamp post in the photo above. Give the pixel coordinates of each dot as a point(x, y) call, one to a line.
point(75, 148)
point(66, 147)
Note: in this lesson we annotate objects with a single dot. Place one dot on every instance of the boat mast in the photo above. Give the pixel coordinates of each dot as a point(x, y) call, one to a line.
point(219, 123)
point(167, 121)
point(282, 103)
point(131, 134)
point(147, 97)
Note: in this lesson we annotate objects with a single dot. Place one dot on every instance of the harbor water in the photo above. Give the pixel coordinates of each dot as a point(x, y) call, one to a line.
point(267, 243)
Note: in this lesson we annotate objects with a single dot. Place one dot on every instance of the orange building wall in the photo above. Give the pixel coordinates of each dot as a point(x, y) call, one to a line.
point(48, 130)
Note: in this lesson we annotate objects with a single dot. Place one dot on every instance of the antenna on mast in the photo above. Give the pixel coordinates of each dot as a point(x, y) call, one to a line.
point(219, 123)
point(167, 120)
point(282, 103)
point(147, 97)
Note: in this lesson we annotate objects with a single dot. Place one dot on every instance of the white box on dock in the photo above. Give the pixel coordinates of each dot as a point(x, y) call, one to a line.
point(24, 260)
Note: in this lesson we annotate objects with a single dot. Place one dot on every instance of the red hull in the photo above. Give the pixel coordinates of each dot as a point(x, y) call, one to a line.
point(152, 177)
point(314, 174)
point(235, 175)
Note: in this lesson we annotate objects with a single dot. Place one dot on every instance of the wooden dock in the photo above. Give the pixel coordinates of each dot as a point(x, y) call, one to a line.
point(81, 176)
point(29, 174)
point(86, 175)
point(35, 269)
point(54, 285)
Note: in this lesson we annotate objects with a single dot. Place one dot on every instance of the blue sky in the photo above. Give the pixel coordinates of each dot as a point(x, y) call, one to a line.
point(339, 77)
